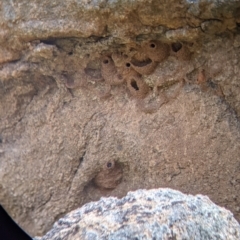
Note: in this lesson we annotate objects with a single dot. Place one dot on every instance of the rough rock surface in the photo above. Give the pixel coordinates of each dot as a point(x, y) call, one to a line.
point(148, 214)
point(68, 136)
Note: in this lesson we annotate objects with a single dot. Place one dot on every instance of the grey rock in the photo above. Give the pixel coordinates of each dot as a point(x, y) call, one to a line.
point(148, 214)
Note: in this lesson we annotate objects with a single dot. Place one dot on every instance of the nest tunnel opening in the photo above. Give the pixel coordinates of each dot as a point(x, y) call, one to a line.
point(134, 85)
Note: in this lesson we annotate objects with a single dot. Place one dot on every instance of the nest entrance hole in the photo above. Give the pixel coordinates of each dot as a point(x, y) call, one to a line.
point(152, 45)
point(109, 165)
point(105, 61)
point(176, 46)
point(141, 63)
point(134, 85)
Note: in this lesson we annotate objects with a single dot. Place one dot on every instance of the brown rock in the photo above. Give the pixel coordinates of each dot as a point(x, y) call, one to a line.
point(54, 141)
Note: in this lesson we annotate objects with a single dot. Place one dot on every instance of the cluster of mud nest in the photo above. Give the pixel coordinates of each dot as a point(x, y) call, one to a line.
point(132, 66)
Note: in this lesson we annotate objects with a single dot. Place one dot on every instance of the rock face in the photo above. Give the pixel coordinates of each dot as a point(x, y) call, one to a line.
point(147, 214)
point(98, 98)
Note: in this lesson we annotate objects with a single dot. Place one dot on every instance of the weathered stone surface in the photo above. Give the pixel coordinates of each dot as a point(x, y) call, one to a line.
point(147, 214)
point(61, 124)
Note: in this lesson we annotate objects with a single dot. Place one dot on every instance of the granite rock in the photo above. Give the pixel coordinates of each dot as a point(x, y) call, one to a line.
point(147, 214)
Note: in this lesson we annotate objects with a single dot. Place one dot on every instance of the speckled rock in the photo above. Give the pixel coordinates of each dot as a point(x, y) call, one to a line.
point(148, 214)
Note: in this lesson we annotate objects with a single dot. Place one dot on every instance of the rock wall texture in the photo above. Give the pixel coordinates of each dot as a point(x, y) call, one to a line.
point(98, 98)
point(147, 214)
